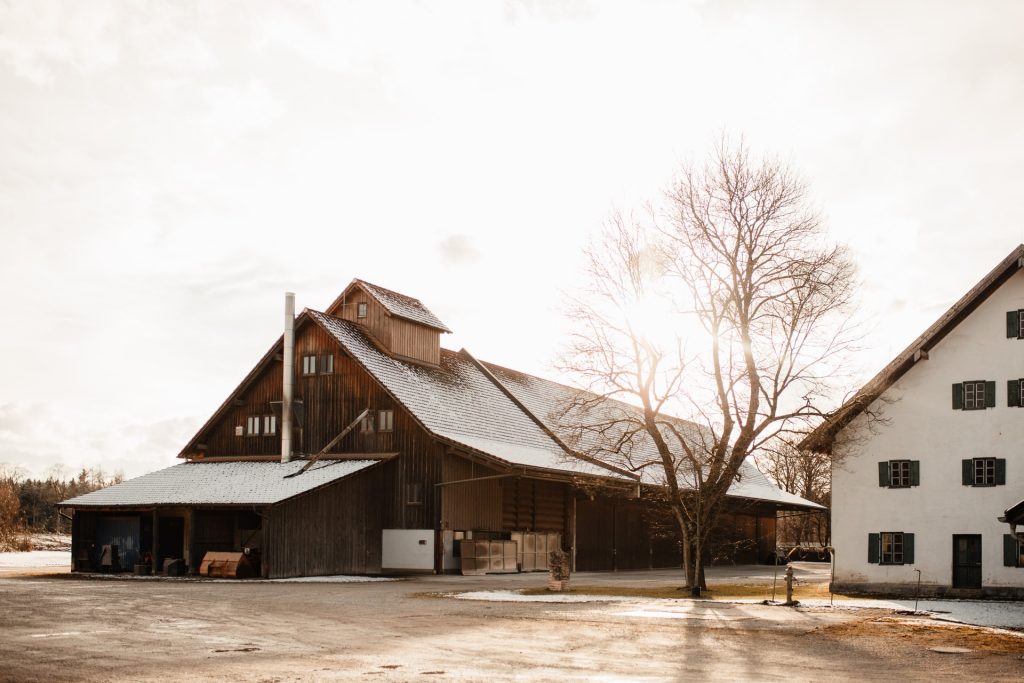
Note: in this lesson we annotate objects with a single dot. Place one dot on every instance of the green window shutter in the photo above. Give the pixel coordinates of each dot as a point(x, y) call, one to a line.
point(1013, 393)
point(990, 394)
point(968, 470)
point(1012, 324)
point(908, 548)
point(1000, 471)
point(915, 472)
point(1011, 555)
point(874, 541)
point(883, 473)
point(958, 396)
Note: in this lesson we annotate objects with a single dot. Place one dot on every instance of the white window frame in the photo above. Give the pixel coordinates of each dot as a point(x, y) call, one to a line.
point(308, 365)
point(386, 421)
point(895, 547)
point(252, 425)
point(984, 471)
point(899, 474)
point(974, 395)
point(366, 425)
point(269, 425)
point(362, 309)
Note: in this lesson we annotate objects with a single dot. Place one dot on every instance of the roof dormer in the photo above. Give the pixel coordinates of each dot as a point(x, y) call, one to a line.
point(399, 324)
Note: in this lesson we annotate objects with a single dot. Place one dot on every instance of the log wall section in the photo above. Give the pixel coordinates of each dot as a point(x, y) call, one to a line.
point(333, 530)
point(471, 506)
point(401, 337)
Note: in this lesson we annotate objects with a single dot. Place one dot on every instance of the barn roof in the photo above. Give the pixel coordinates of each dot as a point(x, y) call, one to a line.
point(459, 404)
point(403, 306)
point(547, 400)
point(221, 483)
point(822, 437)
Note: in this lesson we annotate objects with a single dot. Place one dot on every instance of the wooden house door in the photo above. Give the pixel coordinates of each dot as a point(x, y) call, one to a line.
point(966, 561)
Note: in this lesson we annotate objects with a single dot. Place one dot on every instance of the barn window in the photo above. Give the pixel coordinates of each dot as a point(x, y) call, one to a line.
point(309, 365)
point(269, 425)
point(252, 425)
point(366, 425)
point(361, 310)
point(327, 364)
point(414, 494)
point(386, 420)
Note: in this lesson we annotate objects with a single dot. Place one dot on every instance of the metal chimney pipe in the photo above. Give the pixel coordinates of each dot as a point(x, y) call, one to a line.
point(288, 377)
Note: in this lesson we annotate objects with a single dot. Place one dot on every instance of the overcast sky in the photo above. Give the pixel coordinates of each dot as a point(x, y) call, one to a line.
point(168, 170)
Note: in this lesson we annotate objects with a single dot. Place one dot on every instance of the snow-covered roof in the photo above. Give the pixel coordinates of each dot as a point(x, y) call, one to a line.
point(460, 404)
point(221, 483)
point(403, 306)
point(547, 400)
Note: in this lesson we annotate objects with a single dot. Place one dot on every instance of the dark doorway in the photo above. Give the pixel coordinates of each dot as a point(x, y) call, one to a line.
point(171, 535)
point(966, 561)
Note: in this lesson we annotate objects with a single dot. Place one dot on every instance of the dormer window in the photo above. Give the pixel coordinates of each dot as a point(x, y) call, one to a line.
point(361, 310)
point(309, 365)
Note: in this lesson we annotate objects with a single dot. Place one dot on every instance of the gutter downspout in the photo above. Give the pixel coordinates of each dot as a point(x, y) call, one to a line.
point(288, 379)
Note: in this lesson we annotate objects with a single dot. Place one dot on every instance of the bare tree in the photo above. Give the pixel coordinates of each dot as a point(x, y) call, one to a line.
point(753, 326)
point(807, 474)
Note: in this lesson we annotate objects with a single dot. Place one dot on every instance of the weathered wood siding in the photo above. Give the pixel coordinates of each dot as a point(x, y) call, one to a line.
point(535, 505)
point(470, 506)
point(333, 530)
point(401, 337)
point(330, 401)
point(414, 341)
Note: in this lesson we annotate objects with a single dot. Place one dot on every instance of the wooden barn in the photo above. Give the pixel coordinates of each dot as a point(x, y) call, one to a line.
point(357, 445)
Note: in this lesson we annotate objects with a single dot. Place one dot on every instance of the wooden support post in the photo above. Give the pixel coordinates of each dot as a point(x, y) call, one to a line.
point(156, 542)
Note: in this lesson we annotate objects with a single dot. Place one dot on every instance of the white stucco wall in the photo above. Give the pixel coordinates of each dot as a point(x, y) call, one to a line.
point(921, 425)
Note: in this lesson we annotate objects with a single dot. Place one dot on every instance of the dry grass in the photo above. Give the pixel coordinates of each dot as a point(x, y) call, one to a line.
point(928, 635)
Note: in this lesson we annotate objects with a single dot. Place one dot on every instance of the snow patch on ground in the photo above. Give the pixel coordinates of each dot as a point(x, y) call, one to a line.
point(992, 613)
point(35, 558)
point(518, 596)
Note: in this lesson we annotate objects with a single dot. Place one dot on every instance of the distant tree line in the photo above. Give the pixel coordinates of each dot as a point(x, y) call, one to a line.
point(29, 505)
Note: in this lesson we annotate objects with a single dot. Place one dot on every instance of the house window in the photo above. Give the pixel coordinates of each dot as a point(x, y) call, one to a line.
point(252, 425)
point(366, 425)
point(327, 364)
point(309, 365)
point(1015, 324)
point(892, 547)
point(1014, 393)
point(269, 425)
point(899, 473)
point(361, 310)
point(984, 472)
point(974, 395)
point(386, 420)
point(414, 494)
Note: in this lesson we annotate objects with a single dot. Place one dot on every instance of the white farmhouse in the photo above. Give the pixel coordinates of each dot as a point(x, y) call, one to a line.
point(930, 454)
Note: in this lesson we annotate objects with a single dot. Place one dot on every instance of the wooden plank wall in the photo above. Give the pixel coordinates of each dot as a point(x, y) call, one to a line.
point(333, 530)
point(471, 506)
point(535, 505)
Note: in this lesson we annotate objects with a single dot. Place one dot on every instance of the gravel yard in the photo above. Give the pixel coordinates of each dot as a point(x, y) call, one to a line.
point(58, 627)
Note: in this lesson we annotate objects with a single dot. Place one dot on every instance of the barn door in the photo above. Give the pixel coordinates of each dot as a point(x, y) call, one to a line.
point(966, 561)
